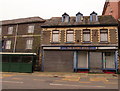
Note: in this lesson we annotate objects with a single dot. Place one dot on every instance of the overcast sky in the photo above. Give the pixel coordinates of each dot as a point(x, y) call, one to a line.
point(13, 9)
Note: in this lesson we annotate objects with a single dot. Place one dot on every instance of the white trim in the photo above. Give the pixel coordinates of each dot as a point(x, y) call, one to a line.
point(18, 53)
point(107, 48)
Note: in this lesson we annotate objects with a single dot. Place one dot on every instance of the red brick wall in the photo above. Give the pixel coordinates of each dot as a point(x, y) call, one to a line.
point(113, 8)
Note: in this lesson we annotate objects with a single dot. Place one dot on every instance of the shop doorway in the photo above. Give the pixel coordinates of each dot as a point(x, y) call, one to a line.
point(109, 60)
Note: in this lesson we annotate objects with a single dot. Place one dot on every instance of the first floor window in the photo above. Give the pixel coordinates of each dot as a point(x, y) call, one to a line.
point(55, 36)
point(29, 44)
point(86, 35)
point(70, 36)
point(103, 35)
point(31, 29)
point(10, 30)
point(8, 44)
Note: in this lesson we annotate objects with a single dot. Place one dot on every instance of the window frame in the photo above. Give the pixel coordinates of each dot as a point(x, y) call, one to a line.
point(10, 30)
point(29, 43)
point(65, 18)
point(53, 33)
point(31, 28)
point(68, 34)
point(79, 18)
point(103, 32)
point(93, 18)
point(8, 44)
point(86, 31)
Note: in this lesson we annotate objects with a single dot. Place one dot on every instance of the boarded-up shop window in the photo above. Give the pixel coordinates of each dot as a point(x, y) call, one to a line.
point(8, 44)
point(29, 44)
point(10, 30)
point(70, 36)
point(103, 35)
point(55, 36)
point(31, 29)
point(86, 35)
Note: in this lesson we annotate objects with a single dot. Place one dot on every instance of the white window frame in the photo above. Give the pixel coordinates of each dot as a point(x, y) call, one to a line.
point(93, 18)
point(103, 32)
point(29, 44)
point(8, 44)
point(68, 34)
point(31, 28)
point(86, 32)
point(79, 18)
point(10, 30)
point(55, 36)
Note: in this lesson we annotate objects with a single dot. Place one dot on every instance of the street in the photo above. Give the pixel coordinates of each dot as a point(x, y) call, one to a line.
point(51, 80)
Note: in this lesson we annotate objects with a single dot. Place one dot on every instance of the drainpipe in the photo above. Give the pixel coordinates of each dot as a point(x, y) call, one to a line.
point(15, 38)
point(119, 45)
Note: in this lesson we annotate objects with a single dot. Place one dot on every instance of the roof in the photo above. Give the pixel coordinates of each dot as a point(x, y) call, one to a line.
point(22, 20)
point(102, 20)
point(79, 14)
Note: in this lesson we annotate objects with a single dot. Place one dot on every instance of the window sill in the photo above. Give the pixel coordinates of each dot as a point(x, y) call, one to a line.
point(102, 42)
point(69, 42)
point(86, 42)
point(55, 42)
point(6, 49)
point(28, 49)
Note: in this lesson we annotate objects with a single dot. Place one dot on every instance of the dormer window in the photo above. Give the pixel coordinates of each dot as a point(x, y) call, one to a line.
point(65, 17)
point(93, 17)
point(79, 17)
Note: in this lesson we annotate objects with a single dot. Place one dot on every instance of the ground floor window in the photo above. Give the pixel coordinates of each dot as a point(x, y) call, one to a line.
point(109, 60)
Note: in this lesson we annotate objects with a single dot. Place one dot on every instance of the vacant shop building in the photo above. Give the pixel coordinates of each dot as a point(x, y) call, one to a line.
point(81, 43)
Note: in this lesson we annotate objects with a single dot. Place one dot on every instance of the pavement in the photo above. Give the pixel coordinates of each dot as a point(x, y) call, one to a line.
point(58, 80)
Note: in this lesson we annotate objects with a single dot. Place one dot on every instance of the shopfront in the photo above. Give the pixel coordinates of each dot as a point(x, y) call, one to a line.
point(79, 59)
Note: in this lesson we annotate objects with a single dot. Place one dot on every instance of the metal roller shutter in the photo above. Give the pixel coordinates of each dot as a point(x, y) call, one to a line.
point(58, 61)
point(95, 61)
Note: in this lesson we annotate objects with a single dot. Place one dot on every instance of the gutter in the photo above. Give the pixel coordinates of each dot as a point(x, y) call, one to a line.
point(63, 26)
